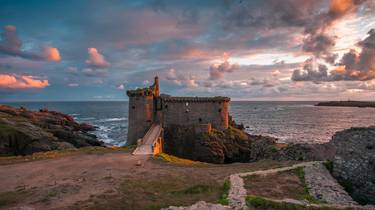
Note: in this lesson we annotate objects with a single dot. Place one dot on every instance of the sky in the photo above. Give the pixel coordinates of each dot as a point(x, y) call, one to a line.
point(248, 50)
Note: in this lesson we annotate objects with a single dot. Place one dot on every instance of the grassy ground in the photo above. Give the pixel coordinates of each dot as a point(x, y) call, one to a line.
point(61, 153)
point(156, 193)
point(176, 160)
point(287, 184)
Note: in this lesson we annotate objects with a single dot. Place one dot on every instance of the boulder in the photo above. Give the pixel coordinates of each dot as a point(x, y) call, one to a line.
point(354, 162)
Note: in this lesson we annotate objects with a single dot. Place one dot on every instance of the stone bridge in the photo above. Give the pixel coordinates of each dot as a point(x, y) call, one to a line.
point(151, 143)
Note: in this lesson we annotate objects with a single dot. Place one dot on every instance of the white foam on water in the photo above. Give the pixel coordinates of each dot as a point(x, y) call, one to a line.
point(112, 119)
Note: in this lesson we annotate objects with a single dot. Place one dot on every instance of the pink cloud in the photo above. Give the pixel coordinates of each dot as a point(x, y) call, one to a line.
point(217, 70)
point(10, 44)
point(51, 54)
point(96, 59)
point(21, 82)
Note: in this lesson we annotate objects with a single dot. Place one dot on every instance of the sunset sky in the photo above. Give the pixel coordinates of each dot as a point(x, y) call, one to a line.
point(247, 50)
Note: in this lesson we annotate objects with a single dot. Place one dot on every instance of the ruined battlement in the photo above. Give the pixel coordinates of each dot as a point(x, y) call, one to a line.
point(146, 107)
point(195, 99)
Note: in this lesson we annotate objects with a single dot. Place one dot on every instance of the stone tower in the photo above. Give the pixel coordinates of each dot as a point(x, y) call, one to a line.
point(141, 111)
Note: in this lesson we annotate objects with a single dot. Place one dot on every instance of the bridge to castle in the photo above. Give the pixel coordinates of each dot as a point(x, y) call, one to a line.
point(151, 143)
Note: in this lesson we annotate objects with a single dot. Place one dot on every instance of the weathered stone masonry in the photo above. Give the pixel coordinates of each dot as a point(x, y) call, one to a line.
point(146, 107)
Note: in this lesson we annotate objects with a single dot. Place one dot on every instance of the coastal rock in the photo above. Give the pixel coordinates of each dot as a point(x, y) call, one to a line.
point(231, 145)
point(24, 132)
point(354, 162)
point(305, 152)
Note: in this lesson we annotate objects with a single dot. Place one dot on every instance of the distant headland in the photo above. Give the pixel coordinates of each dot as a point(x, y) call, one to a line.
point(361, 104)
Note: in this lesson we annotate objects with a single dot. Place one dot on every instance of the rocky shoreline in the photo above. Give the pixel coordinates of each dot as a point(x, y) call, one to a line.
point(24, 132)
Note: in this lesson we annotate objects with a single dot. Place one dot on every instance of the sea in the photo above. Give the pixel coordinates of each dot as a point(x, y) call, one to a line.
point(290, 122)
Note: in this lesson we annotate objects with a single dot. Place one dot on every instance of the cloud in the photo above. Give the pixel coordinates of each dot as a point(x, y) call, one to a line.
point(92, 72)
point(353, 65)
point(10, 44)
point(51, 54)
point(217, 70)
point(12, 81)
point(181, 80)
point(96, 60)
point(311, 16)
point(310, 72)
point(121, 87)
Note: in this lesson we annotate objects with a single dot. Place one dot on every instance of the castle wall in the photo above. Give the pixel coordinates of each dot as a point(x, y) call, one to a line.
point(195, 112)
point(141, 113)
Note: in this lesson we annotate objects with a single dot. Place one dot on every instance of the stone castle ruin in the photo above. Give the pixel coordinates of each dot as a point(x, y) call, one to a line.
point(150, 112)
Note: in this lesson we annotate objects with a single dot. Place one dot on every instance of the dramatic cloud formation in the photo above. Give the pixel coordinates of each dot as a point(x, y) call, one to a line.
point(311, 72)
point(272, 44)
point(181, 80)
point(21, 82)
point(353, 65)
point(10, 44)
point(96, 60)
point(217, 70)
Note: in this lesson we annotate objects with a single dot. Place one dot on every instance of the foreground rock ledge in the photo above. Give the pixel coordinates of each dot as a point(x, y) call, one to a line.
point(23, 132)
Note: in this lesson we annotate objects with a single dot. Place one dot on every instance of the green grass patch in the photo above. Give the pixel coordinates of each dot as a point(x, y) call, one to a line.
point(225, 191)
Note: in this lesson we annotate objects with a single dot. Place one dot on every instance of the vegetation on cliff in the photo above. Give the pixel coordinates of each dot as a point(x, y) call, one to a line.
point(23, 132)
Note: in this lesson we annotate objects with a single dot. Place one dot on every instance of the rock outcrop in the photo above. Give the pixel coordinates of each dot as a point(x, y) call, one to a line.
point(231, 145)
point(24, 132)
point(235, 145)
point(354, 162)
point(305, 152)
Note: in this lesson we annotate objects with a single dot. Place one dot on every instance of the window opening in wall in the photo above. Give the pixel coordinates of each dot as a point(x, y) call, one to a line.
point(220, 110)
point(200, 119)
point(133, 107)
point(166, 106)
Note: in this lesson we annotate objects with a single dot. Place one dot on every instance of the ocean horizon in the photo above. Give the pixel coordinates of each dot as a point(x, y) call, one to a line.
point(289, 121)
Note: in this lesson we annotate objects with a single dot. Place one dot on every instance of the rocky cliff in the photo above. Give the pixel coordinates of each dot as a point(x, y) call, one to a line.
point(354, 162)
point(231, 145)
point(235, 145)
point(24, 132)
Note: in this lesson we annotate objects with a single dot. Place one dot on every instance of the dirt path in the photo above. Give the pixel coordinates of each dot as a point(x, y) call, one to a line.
point(64, 181)
point(67, 181)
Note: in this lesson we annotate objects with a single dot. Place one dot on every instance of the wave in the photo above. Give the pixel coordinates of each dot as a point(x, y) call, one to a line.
point(103, 133)
point(112, 119)
point(87, 118)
